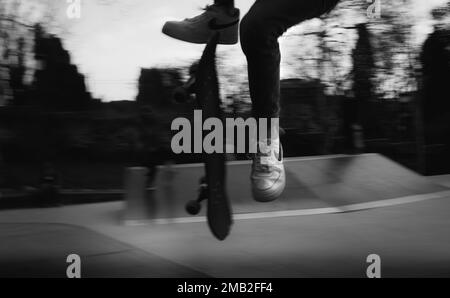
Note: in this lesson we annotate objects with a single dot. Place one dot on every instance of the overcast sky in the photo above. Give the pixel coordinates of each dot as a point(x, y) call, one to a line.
point(110, 43)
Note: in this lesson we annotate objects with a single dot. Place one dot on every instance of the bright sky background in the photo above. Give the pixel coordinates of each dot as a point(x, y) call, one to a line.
point(110, 43)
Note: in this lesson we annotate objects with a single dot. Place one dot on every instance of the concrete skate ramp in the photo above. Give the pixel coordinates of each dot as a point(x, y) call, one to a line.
point(41, 250)
point(315, 182)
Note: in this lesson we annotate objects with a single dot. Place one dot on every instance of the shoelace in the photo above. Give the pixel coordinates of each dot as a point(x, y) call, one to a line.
point(261, 168)
point(259, 165)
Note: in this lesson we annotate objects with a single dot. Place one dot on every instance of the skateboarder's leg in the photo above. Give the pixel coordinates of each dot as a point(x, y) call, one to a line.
point(222, 16)
point(229, 3)
point(266, 21)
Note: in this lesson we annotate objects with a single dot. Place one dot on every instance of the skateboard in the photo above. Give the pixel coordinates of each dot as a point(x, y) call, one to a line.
point(204, 86)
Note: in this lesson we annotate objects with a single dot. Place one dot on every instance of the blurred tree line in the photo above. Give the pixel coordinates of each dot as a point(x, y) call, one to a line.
point(381, 83)
point(47, 113)
point(348, 70)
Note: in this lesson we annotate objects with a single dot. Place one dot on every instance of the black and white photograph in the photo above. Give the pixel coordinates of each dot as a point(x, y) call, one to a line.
point(218, 147)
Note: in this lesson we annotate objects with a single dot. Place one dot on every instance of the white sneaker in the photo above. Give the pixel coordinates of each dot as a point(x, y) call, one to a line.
point(268, 174)
point(201, 28)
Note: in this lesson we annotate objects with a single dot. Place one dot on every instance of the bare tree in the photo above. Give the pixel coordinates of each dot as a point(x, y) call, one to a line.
point(326, 50)
point(17, 20)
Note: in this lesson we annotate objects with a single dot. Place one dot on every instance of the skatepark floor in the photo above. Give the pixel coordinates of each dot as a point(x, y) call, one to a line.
point(411, 237)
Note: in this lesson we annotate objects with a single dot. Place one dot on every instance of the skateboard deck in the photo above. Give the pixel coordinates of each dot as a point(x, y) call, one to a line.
point(213, 186)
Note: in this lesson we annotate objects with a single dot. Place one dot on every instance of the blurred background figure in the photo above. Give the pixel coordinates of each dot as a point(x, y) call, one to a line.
point(48, 194)
point(168, 186)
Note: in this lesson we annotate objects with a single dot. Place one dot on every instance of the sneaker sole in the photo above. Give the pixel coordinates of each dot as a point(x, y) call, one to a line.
point(222, 40)
point(270, 195)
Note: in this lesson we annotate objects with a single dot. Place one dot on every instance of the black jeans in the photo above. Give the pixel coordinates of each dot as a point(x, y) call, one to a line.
point(266, 21)
point(224, 2)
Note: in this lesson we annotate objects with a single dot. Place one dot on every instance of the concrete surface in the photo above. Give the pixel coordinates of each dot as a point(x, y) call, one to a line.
point(412, 238)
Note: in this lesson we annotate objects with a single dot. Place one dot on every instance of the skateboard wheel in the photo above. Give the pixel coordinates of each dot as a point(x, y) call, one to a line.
point(193, 207)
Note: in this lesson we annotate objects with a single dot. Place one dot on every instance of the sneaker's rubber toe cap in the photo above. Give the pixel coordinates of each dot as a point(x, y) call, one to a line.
point(268, 189)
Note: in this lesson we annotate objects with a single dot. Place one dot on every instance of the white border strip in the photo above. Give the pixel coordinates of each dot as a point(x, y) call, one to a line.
point(303, 212)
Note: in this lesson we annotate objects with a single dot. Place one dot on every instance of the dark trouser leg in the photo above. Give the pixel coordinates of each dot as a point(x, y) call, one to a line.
point(229, 3)
point(266, 21)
